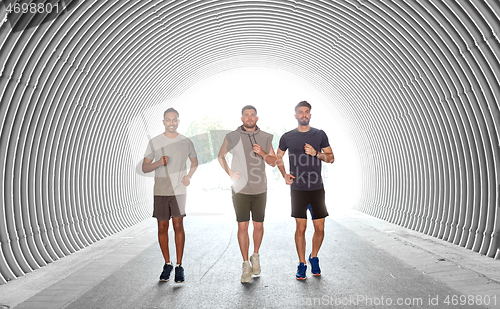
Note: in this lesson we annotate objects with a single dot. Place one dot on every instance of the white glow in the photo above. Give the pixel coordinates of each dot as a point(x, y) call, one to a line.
point(274, 93)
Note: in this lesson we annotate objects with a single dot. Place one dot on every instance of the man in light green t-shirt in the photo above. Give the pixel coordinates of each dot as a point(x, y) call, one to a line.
point(166, 155)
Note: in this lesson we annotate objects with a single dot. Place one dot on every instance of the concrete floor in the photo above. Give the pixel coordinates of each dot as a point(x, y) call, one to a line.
point(365, 262)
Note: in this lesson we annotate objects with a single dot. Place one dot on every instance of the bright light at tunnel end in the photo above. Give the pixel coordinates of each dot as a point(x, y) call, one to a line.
point(274, 93)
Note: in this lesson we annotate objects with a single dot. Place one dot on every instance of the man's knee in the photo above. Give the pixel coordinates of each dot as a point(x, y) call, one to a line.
point(301, 228)
point(178, 225)
point(319, 227)
point(243, 226)
point(163, 227)
point(258, 226)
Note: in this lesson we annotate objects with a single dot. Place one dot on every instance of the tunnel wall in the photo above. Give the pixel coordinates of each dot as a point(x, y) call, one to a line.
point(419, 82)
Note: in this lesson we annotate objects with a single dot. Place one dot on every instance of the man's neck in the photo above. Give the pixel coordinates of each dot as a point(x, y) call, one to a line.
point(303, 128)
point(171, 134)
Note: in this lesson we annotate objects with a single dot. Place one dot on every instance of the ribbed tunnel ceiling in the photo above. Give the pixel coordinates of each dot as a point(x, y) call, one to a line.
point(419, 81)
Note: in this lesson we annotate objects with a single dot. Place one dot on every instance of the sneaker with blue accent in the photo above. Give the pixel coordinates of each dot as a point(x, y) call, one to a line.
point(314, 261)
point(179, 274)
point(301, 272)
point(165, 274)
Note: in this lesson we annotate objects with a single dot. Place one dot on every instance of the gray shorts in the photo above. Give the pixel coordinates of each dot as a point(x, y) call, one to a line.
point(166, 207)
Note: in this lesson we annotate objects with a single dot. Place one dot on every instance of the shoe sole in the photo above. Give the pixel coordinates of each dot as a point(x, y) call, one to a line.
point(163, 280)
point(300, 278)
point(316, 275)
point(179, 281)
point(246, 281)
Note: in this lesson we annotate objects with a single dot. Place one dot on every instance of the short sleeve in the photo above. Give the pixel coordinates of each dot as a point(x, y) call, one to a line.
point(324, 140)
point(150, 154)
point(191, 150)
point(282, 145)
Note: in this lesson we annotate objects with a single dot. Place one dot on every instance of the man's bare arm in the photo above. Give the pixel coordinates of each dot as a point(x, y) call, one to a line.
point(148, 165)
point(281, 166)
point(194, 166)
point(279, 162)
point(222, 160)
point(269, 158)
point(221, 157)
point(186, 180)
point(326, 155)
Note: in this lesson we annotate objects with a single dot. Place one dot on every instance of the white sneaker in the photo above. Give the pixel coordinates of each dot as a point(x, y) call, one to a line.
point(254, 259)
point(246, 275)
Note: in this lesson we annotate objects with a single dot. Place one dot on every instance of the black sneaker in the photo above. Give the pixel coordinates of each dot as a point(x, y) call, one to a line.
point(165, 274)
point(179, 274)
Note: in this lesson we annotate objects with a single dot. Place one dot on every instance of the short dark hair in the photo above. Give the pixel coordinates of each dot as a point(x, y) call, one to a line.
point(248, 107)
point(171, 109)
point(303, 103)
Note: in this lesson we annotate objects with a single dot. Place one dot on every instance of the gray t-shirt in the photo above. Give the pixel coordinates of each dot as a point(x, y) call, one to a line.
point(168, 177)
point(251, 166)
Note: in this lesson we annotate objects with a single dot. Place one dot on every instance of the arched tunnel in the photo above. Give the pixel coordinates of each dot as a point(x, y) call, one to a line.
point(418, 81)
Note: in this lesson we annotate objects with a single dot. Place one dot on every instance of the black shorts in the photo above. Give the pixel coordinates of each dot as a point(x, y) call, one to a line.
point(314, 201)
point(166, 207)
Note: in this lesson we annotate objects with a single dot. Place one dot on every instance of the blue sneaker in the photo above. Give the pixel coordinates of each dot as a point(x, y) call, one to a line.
point(301, 272)
point(179, 274)
point(165, 274)
point(314, 261)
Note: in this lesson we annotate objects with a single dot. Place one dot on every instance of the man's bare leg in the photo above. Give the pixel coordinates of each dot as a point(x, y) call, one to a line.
point(300, 238)
point(243, 239)
point(180, 237)
point(163, 239)
point(319, 234)
point(258, 234)
point(244, 243)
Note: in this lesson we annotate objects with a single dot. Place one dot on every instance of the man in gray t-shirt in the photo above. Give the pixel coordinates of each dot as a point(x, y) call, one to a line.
point(166, 155)
point(251, 149)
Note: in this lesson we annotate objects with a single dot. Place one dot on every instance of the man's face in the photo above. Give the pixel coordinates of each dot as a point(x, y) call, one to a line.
point(303, 115)
point(249, 118)
point(171, 122)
